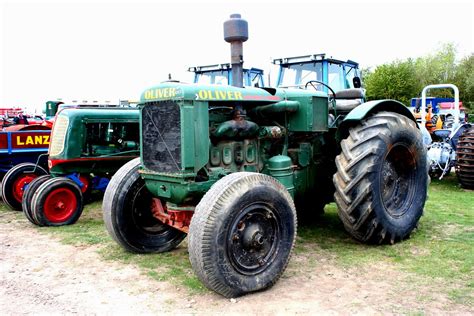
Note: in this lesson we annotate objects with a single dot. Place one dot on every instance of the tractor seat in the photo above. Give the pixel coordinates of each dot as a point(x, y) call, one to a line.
point(348, 99)
point(347, 105)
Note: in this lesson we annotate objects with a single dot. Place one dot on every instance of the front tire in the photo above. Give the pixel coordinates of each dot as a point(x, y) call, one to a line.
point(57, 202)
point(16, 180)
point(242, 234)
point(128, 218)
point(382, 178)
point(28, 196)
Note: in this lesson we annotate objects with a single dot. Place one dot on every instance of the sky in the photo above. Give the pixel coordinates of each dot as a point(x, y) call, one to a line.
point(110, 50)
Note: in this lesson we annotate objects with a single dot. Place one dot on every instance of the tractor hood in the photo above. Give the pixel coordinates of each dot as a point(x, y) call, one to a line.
point(182, 91)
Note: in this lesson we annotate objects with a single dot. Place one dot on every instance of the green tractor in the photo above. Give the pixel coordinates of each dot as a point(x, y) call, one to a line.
point(88, 145)
point(225, 166)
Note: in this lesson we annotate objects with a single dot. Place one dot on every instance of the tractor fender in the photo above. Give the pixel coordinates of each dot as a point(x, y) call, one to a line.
point(366, 109)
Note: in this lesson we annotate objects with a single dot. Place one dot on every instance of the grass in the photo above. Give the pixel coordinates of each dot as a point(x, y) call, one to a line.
point(441, 249)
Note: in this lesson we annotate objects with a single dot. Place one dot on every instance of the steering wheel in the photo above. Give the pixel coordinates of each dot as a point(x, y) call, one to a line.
point(312, 82)
point(330, 99)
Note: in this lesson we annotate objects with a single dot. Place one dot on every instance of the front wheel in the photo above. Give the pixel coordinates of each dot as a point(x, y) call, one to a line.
point(16, 180)
point(28, 196)
point(382, 178)
point(128, 217)
point(242, 234)
point(57, 202)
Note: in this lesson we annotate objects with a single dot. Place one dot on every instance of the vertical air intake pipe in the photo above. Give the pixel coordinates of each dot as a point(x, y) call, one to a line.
point(236, 32)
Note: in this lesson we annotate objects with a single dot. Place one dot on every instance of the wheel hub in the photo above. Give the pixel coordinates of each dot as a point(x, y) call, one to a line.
point(254, 239)
point(20, 184)
point(60, 205)
point(397, 180)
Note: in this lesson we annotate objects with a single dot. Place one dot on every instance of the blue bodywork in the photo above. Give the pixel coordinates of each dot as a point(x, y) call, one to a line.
point(434, 102)
point(11, 155)
point(98, 183)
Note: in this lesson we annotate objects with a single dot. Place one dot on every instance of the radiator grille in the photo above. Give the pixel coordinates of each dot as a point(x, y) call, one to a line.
point(60, 127)
point(161, 136)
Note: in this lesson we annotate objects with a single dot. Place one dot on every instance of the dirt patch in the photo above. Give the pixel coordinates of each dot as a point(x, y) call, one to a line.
point(38, 274)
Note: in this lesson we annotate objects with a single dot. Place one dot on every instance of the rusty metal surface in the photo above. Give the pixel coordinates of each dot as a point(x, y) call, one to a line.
point(179, 219)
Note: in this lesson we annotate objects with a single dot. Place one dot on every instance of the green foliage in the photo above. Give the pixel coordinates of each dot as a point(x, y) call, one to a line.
point(396, 80)
point(464, 80)
point(404, 79)
point(439, 67)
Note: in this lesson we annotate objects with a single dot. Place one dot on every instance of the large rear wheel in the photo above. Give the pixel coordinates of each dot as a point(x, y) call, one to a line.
point(242, 234)
point(128, 217)
point(465, 159)
point(382, 178)
point(16, 180)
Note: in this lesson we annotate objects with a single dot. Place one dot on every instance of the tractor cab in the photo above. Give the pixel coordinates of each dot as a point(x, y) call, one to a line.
point(221, 74)
point(340, 79)
point(338, 74)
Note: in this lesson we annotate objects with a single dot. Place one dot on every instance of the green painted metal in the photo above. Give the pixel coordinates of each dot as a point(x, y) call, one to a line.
point(281, 168)
point(74, 149)
point(176, 188)
point(52, 108)
point(224, 129)
point(311, 118)
point(216, 93)
point(361, 112)
point(179, 187)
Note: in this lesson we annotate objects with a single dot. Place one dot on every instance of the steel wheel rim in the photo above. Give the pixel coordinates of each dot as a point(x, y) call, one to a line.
point(20, 184)
point(60, 205)
point(254, 238)
point(398, 180)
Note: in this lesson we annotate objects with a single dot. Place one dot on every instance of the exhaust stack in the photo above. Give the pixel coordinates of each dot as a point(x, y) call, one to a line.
point(236, 33)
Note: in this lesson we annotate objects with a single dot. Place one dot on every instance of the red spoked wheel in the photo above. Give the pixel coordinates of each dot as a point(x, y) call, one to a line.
point(57, 202)
point(19, 185)
point(16, 181)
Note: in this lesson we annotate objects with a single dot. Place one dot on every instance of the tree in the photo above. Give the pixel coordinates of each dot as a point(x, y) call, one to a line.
point(396, 80)
point(464, 80)
point(438, 67)
point(405, 79)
